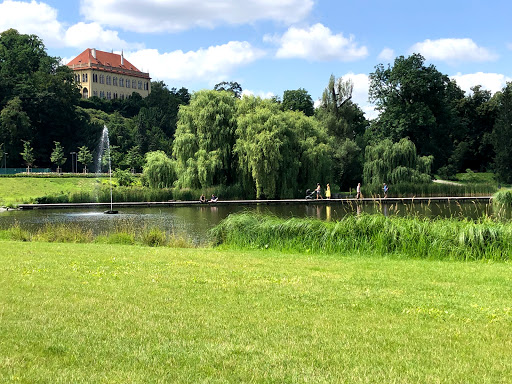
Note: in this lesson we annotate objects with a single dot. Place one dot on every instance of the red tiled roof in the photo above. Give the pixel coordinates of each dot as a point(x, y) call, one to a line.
point(102, 58)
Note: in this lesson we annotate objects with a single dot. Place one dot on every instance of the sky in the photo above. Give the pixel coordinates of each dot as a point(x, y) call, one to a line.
point(269, 46)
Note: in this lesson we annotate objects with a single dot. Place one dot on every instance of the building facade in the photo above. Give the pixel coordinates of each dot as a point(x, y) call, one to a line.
point(108, 75)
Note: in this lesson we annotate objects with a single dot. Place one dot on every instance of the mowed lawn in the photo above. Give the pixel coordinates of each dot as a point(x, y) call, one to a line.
point(90, 313)
point(19, 190)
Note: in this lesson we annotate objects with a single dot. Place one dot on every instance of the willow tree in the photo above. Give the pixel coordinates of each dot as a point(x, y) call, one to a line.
point(388, 162)
point(278, 152)
point(158, 170)
point(204, 140)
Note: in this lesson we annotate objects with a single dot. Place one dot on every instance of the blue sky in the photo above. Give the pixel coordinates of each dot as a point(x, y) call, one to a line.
point(269, 46)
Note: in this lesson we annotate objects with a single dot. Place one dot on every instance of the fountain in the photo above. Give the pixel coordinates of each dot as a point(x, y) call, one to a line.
point(104, 150)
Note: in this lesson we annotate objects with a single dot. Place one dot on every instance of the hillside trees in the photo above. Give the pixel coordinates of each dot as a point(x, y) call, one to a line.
point(298, 100)
point(502, 135)
point(40, 95)
point(418, 102)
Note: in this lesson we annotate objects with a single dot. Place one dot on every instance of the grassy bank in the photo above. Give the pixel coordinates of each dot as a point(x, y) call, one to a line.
point(19, 190)
point(412, 237)
point(88, 313)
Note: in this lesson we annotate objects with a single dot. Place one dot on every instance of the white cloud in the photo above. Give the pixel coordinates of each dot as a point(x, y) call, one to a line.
point(177, 15)
point(387, 54)
point(93, 35)
point(317, 43)
point(453, 50)
point(41, 19)
point(32, 18)
point(213, 64)
point(262, 94)
point(493, 82)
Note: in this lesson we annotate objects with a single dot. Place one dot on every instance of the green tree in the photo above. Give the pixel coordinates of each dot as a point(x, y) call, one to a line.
point(388, 162)
point(28, 154)
point(14, 126)
point(502, 135)
point(47, 92)
point(232, 87)
point(134, 159)
point(204, 140)
point(57, 156)
point(298, 100)
point(472, 143)
point(159, 170)
point(418, 102)
point(84, 157)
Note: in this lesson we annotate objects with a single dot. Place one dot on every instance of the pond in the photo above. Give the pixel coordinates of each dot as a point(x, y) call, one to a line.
point(194, 222)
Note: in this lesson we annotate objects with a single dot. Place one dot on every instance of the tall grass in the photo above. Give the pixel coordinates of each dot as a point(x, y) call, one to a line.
point(502, 198)
point(410, 237)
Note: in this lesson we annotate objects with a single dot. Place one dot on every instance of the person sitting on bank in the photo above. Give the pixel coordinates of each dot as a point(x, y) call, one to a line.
point(213, 199)
point(202, 199)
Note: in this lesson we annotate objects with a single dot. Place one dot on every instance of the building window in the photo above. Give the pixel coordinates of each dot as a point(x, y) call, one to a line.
point(109, 80)
point(134, 84)
point(122, 96)
point(146, 86)
point(77, 78)
point(121, 82)
point(109, 95)
point(95, 93)
point(85, 93)
point(127, 83)
point(102, 94)
point(84, 77)
point(140, 84)
point(102, 79)
point(94, 77)
point(114, 81)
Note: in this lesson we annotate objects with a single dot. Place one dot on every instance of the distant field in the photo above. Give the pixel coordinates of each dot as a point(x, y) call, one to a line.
point(89, 313)
point(19, 190)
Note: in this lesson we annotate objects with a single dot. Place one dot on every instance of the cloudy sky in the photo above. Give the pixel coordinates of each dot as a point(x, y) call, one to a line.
point(269, 46)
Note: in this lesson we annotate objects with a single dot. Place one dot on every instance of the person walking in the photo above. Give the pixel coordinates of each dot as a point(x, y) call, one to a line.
point(318, 191)
point(385, 190)
point(358, 191)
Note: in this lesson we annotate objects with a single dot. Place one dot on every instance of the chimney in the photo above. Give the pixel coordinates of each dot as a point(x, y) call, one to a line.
point(93, 52)
point(122, 58)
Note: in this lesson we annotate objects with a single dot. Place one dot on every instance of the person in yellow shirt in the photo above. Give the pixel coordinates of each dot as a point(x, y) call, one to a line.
point(328, 192)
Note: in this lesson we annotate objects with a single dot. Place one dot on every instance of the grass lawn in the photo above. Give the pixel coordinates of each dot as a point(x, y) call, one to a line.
point(89, 313)
point(19, 190)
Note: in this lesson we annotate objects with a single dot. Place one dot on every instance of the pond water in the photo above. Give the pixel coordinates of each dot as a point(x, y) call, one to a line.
point(195, 221)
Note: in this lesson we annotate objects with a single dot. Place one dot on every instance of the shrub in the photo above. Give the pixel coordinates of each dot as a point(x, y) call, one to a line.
point(154, 237)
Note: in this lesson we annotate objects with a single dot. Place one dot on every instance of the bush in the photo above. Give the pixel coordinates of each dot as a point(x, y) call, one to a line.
point(154, 237)
point(124, 177)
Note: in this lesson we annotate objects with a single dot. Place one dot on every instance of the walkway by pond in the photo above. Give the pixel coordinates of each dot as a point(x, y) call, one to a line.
point(173, 203)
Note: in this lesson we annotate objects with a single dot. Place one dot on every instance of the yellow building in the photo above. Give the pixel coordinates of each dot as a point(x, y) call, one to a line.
point(108, 75)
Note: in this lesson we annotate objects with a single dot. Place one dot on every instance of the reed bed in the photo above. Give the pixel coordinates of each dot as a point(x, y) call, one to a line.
point(410, 237)
point(432, 190)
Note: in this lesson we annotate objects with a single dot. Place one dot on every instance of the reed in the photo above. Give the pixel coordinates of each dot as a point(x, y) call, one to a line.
point(410, 237)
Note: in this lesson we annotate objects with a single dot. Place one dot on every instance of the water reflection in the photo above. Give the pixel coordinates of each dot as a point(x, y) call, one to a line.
point(195, 221)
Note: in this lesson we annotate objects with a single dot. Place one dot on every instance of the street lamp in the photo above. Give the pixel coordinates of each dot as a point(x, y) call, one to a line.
point(72, 162)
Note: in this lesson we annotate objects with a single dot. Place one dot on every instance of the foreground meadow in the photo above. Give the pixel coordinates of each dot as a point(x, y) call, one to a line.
point(96, 313)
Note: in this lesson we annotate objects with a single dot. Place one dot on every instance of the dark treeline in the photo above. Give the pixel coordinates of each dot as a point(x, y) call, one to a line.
point(263, 148)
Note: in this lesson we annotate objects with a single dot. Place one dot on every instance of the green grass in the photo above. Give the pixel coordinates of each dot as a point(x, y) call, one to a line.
point(19, 190)
point(89, 313)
